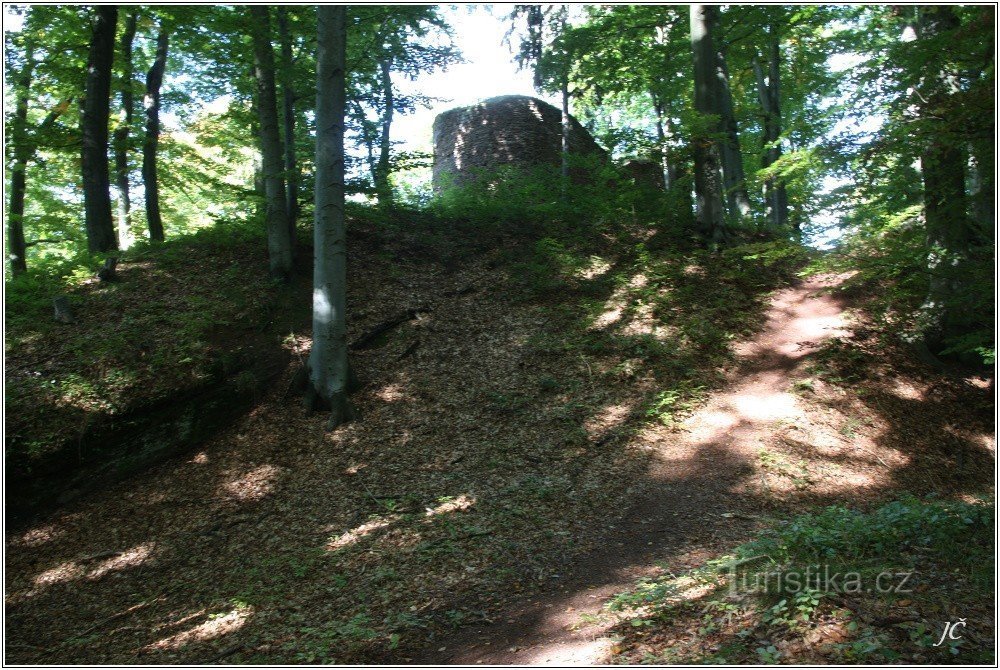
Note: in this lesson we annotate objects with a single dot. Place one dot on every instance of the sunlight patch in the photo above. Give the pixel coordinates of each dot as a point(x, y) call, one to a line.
point(63, 572)
point(391, 392)
point(40, 535)
point(606, 419)
point(355, 534)
point(769, 406)
point(608, 317)
point(254, 485)
point(596, 267)
point(216, 626)
point(904, 389)
point(462, 502)
point(129, 558)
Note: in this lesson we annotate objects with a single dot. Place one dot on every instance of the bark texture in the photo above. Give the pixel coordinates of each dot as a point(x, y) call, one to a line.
point(329, 372)
point(288, 119)
point(383, 167)
point(151, 141)
point(279, 243)
point(94, 129)
point(121, 139)
point(949, 233)
point(769, 94)
point(708, 188)
point(733, 175)
point(16, 247)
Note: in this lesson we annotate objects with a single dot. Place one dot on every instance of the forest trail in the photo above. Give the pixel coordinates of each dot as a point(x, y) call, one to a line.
point(505, 479)
point(697, 481)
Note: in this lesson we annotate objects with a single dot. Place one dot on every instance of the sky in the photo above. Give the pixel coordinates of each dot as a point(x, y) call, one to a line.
point(489, 71)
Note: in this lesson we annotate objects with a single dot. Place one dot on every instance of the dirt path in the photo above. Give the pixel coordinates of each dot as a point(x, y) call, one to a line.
point(698, 496)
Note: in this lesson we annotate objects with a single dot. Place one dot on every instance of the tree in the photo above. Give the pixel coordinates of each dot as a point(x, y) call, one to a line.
point(769, 94)
point(151, 142)
point(942, 162)
point(547, 52)
point(279, 241)
point(288, 120)
point(733, 175)
point(329, 371)
point(94, 129)
point(17, 249)
point(387, 41)
point(121, 136)
point(707, 158)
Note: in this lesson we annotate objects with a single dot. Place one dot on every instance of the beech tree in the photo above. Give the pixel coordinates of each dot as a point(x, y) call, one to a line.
point(279, 239)
point(288, 120)
point(329, 371)
point(733, 175)
point(121, 136)
point(151, 142)
point(94, 130)
point(769, 93)
point(707, 155)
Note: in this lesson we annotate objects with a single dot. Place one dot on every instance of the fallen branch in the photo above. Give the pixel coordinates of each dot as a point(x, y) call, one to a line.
point(369, 337)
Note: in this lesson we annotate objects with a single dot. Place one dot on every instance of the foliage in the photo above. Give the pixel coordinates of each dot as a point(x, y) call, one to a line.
point(925, 548)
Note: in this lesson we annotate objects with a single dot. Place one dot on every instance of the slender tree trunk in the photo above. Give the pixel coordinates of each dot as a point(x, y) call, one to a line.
point(288, 98)
point(16, 247)
point(382, 167)
point(94, 129)
point(707, 158)
point(768, 92)
point(564, 93)
point(121, 138)
point(279, 243)
point(733, 175)
point(661, 141)
point(983, 192)
point(329, 371)
point(368, 139)
point(151, 142)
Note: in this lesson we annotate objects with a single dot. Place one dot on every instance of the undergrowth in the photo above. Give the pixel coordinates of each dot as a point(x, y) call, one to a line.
point(838, 585)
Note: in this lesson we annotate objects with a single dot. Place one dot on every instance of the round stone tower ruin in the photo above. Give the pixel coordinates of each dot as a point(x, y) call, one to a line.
point(508, 130)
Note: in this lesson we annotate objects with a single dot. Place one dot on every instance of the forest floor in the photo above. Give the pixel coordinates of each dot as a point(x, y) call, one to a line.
point(519, 461)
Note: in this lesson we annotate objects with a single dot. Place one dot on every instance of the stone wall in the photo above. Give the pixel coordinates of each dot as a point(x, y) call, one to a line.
point(507, 130)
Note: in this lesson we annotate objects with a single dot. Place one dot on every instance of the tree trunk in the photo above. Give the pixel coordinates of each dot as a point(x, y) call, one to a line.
point(279, 244)
point(382, 167)
point(288, 98)
point(329, 371)
point(121, 139)
point(151, 142)
point(707, 159)
point(949, 233)
point(564, 93)
point(661, 140)
point(94, 129)
point(768, 92)
point(16, 247)
point(983, 193)
point(733, 175)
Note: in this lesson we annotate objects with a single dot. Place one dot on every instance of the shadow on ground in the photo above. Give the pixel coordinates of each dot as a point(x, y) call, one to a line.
point(504, 456)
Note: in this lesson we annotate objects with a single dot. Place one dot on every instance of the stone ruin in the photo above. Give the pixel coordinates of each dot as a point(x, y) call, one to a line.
point(508, 130)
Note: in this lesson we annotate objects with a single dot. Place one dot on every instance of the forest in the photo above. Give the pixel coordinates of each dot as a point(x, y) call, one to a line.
point(683, 352)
